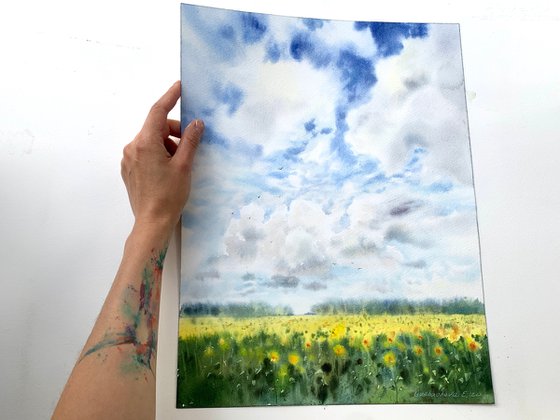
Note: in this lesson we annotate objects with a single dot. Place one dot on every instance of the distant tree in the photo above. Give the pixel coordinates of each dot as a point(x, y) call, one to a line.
point(236, 310)
point(463, 306)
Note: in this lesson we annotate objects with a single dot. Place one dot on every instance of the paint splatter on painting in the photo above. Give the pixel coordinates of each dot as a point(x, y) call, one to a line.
point(330, 247)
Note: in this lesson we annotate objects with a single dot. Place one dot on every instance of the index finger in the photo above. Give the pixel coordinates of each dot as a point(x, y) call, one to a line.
point(164, 105)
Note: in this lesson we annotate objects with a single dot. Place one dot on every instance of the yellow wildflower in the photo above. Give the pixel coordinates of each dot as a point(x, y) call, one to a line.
point(389, 359)
point(293, 358)
point(274, 356)
point(339, 350)
point(338, 332)
point(473, 345)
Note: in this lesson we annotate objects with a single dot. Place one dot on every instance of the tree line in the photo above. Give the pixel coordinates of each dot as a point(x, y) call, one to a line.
point(462, 306)
point(239, 310)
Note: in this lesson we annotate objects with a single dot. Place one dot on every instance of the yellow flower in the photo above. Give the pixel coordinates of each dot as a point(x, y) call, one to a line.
point(338, 332)
point(438, 350)
point(274, 356)
point(293, 358)
point(339, 350)
point(418, 350)
point(389, 359)
point(473, 345)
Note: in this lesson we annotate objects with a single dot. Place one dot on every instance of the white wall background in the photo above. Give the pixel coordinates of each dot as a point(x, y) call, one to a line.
point(76, 80)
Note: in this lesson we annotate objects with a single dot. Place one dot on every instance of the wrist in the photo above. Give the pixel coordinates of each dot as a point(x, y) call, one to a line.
point(162, 226)
point(154, 234)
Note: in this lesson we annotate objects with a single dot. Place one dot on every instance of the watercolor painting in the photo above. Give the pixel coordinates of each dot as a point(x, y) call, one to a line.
point(330, 249)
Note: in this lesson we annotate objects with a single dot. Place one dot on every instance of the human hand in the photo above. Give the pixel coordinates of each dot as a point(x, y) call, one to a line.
point(157, 171)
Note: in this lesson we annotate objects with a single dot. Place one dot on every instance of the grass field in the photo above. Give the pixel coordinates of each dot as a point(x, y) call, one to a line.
point(333, 359)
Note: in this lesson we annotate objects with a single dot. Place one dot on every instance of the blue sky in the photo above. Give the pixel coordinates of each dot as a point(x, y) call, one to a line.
point(335, 162)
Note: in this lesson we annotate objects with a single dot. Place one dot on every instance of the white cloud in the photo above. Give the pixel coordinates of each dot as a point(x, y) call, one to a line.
point(342, 35)
point(300, 93)
point(418, 101)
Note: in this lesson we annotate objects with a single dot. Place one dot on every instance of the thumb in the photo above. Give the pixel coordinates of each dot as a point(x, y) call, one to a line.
point(189, 143)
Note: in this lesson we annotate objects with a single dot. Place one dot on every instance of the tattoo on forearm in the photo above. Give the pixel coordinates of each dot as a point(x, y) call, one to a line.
point(140, 311)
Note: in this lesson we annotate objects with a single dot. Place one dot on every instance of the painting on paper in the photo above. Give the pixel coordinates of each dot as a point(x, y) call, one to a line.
point(330, 247)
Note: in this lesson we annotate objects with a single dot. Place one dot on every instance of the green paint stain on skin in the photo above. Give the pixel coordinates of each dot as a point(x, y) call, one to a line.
point(140, 310)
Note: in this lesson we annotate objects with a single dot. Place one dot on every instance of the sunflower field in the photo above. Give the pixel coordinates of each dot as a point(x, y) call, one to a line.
point(333, 359)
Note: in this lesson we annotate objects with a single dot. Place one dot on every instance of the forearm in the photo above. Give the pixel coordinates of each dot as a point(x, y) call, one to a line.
point(119, 357)
point(115, 375)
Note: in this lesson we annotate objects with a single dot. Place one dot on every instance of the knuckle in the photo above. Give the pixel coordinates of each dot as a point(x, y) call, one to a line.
point(141, 147)
point(127, 151)
point(156, 107)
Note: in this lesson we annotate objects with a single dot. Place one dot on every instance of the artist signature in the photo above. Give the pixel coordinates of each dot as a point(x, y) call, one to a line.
point(445, 394)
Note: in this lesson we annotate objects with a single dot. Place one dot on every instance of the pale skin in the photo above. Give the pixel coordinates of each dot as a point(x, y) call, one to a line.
point(114, 377)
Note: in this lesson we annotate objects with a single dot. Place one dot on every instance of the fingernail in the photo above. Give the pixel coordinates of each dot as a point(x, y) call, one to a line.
point(197, 125)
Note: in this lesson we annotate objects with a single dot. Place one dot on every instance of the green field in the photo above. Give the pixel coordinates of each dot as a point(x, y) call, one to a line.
point(333, 359)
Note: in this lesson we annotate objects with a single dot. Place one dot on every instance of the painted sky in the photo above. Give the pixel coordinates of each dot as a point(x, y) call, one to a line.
point(335, 164)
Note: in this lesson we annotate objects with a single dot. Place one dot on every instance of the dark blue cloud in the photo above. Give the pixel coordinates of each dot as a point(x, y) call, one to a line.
point(356, 73)
point(247, 150)
point(389, 36)
point(212, 137)
point(273, 52)
point(229, 95)
point(338, 144)
point(253, 27)
point(303, 47)
point(313, 24)
point(310, 125)
point(292, 153)
point(227, 32)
